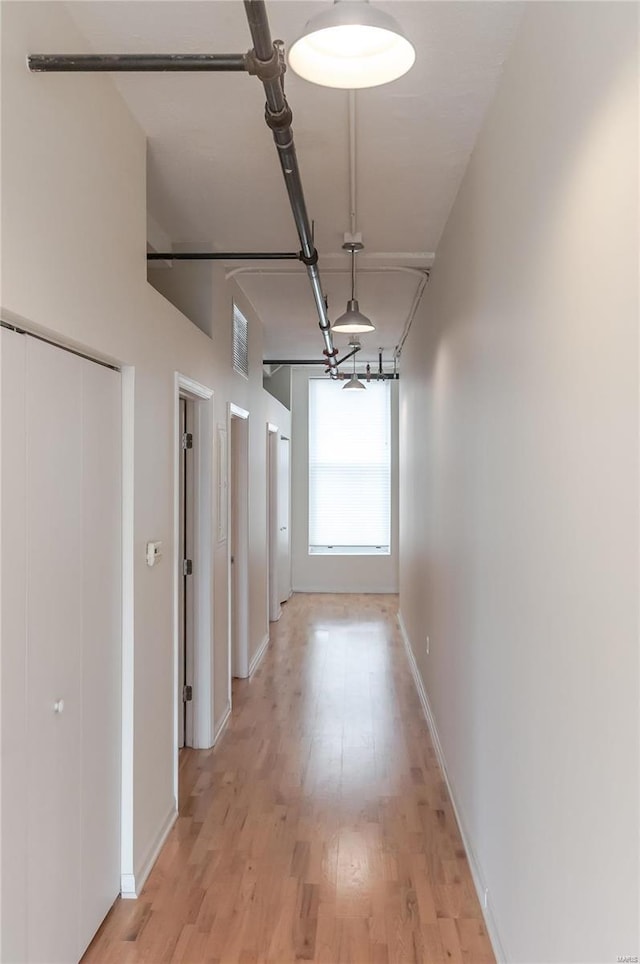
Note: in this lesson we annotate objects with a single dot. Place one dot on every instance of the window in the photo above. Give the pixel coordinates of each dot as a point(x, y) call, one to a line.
point(240, 343)
point(349, 469)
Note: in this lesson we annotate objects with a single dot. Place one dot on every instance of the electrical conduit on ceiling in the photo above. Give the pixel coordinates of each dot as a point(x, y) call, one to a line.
point(353, 215)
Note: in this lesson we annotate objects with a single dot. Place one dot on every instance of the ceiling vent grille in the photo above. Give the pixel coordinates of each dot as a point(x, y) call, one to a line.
point(240, 343)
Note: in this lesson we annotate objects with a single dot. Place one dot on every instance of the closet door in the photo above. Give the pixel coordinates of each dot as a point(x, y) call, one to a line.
point(13, 758)
point(101, 649)
point(284, 517)
point(61, 664)
point(54, 650)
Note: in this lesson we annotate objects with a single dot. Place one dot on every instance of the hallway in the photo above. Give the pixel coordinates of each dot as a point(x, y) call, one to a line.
point(319, 828)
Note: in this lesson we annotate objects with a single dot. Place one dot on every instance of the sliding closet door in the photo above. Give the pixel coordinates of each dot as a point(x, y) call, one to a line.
point(54, 650)
point(13, 829)
point(101, 649)
point(61, 632)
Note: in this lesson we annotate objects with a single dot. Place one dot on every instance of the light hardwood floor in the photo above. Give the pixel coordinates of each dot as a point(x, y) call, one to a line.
point(319, 829)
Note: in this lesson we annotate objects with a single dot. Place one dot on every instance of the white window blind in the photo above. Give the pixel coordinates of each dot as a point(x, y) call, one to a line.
point(349, 468)
point(240, 343)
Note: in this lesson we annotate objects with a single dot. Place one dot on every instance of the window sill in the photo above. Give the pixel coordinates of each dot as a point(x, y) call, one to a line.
point(349, 551)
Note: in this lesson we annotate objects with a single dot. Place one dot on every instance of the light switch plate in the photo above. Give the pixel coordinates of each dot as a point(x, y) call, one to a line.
point(154, 552)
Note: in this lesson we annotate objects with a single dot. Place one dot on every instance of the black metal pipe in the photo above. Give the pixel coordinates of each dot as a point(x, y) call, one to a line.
point(363, 376)
point(137, 62)
point(296, 361)
point(354, 351)
point(259, 27)
point(309, 361)
point(376, 376)
point(224, 256)
point(267, 63)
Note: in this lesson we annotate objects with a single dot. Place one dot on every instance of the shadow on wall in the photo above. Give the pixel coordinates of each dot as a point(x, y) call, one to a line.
point(278, 384)
point(188, 286)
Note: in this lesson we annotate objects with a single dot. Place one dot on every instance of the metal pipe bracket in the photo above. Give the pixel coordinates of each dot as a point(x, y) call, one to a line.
point(280, 121)
point(266, 70)
point(311, 259)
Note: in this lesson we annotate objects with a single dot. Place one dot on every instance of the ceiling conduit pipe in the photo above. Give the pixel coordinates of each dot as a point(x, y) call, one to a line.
point(280, 362)
point(223, 256)
point(369, 376)
point(266, 61)
point(83, 63)
point(412, 313)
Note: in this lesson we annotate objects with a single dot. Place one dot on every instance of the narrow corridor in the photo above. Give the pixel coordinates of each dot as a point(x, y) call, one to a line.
point(319, 828)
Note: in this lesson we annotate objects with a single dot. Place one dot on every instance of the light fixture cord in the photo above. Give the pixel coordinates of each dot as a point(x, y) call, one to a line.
point(353, 274)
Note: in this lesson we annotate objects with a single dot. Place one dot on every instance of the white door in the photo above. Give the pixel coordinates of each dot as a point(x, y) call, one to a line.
point(64, 654)
point(13, 616)
point(101, 645)
point(239, 545)
point(284, 525)
point(54, 650)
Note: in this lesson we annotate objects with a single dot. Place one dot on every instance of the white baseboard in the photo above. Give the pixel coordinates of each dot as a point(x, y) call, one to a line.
point(131, 884)
point(476, 871)
point(339, 590)
point(253, 665)
point(220, 728)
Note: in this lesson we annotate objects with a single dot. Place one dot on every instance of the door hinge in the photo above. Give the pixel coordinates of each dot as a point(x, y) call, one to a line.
point(187, 567)
point(187, 694)
point(187, 440)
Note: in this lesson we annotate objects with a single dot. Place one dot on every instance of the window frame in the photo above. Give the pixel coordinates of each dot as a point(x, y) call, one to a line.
point(354, 550)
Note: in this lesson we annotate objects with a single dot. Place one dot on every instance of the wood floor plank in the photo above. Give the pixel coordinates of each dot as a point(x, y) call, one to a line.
point(319, 829)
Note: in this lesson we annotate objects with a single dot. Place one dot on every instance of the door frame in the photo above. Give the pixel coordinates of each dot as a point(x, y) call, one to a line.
point(127, 863)
point(186, 547)
point(273, 602)
point(202, 399)
point(238, 661)
point(289, 580)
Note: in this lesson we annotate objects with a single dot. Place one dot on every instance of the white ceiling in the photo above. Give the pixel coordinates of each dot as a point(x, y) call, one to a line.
point(214, 179)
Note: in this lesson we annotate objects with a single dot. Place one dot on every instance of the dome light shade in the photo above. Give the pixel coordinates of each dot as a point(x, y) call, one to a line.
point(352, 45)
point(354, 382)
point(353, 321)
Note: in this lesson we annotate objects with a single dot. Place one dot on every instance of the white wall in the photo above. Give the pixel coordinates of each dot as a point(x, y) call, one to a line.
point(312, 573)
point(278, 415)
point(519, 490)
point(74, 265)
point(188, 286)
point(279, 384)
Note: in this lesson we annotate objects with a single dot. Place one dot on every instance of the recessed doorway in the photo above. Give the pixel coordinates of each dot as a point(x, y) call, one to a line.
point(238, 541)
point(284, 518)
point(185, 575)
point(273, 594)
point(193, 567)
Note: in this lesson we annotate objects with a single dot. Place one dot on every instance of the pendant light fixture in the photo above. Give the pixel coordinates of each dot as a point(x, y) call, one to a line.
point(354, 381)
point(352, 45)
point(353, 321)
